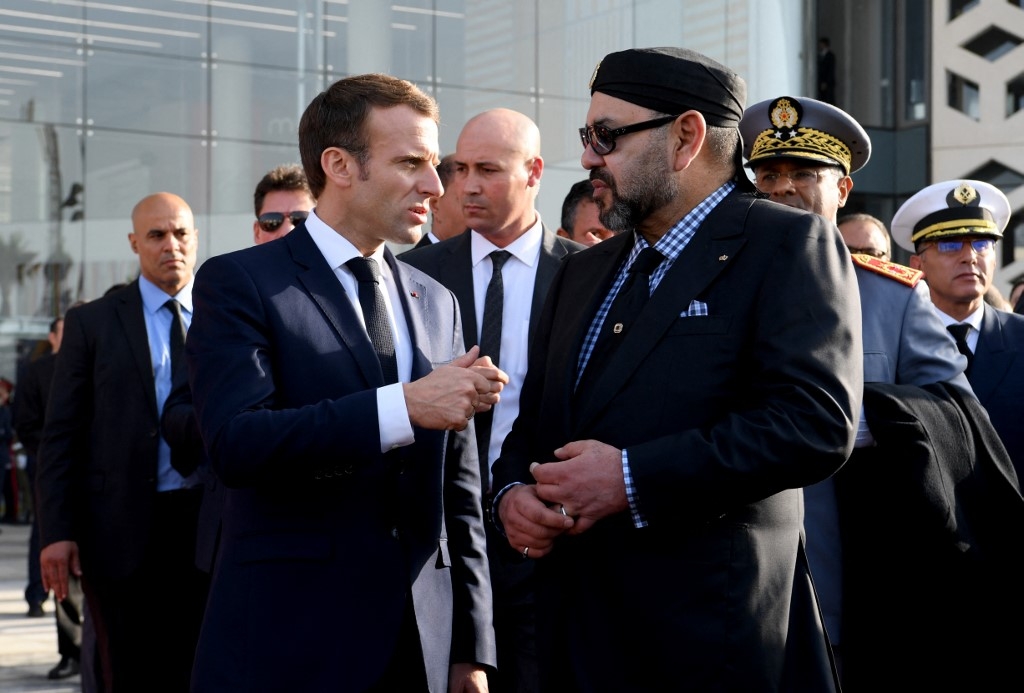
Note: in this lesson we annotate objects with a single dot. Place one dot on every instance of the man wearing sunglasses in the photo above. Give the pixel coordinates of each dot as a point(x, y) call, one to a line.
point(953, 228)
point(688, 376)
point(282, 200)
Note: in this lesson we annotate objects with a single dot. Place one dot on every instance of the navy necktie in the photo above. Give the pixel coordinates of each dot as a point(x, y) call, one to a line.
point(375, 315)
point(177, 338)
point(960, 332)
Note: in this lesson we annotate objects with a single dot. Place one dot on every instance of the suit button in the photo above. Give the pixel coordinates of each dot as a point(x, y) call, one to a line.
point(153, 433)
point(394, 532)
point(350, 469)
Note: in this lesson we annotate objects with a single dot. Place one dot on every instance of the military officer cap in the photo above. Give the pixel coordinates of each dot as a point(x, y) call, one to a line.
point(803, 129)
point(673, 81)
point(951, 209)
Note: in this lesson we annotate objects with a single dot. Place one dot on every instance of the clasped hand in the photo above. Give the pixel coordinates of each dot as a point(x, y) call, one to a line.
point(450, 395)
point(584, 484)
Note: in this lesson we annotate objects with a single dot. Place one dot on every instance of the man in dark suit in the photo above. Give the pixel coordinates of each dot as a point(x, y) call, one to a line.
point(498, 168)
point(673, 430)
point(112, 509)
point(29, 417)
point(952, 229)
point(446, 219)
point(335, 399)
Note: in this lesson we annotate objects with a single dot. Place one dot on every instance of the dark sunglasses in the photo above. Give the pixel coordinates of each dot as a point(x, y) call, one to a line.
point(271, 221)
point(602, 139)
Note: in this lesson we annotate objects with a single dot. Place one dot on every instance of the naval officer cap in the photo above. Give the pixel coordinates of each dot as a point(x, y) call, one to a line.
point(673, 81)
point(806, 130)
point(951, 209)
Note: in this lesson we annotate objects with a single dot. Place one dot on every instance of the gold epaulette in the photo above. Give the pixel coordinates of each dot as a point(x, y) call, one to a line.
point(900, 273)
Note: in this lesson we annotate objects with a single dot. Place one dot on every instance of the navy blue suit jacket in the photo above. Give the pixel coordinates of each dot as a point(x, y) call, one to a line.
point(997, 377)
point(284, 382)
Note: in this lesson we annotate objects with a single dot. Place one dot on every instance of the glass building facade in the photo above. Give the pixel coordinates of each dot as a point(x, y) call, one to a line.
point(102, 103)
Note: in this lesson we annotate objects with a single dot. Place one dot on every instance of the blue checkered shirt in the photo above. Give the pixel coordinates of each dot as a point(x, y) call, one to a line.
point(670, 245)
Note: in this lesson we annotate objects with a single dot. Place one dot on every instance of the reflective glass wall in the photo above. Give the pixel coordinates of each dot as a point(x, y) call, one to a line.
point(102, 103)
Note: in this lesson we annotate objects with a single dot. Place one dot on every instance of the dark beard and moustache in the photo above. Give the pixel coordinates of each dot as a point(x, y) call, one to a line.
point(649, 187)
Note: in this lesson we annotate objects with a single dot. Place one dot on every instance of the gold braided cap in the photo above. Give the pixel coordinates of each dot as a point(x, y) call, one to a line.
point(805, 143)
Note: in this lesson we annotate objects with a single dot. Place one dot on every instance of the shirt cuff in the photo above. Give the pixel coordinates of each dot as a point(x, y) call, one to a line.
point(393, 418)
point(495, 519)
point(864, 437)
point(634, 504)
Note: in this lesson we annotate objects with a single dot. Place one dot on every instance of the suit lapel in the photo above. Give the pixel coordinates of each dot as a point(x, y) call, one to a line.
point(551, 254)
point(133, 321)
point(414, 303)
point(991, 358)
point(711, 250)
point(326, 291)
point(456, 273)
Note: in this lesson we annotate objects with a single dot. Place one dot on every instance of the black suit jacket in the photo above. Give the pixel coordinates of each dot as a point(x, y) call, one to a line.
point(30, 405)
point(724, 417)
point(98, 460)
point(284, 381)
point(997, 378)
point(931, 524)
point(451, 263)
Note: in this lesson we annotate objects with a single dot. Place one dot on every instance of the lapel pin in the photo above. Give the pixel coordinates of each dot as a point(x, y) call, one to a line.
point(617, 328)
point(723, 258)
point(414, 294)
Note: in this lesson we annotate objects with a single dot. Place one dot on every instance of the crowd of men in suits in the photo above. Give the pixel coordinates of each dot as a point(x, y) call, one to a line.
point(507, 460)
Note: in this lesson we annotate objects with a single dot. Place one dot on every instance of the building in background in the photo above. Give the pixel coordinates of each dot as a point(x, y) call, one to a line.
point(104, 102)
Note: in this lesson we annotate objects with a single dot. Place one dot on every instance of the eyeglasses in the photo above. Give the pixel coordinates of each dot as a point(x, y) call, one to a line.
point(873, 252)
point(980, 246)
point(801, 178)
point(602, 138)
point(271, 221)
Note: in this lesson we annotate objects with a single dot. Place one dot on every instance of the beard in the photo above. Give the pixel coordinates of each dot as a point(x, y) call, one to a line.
point(647, 186)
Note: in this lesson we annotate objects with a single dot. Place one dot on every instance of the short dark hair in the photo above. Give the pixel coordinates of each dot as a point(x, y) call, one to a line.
point(53, 324)
point(284, 177)
point(577, 193)
point(446, 169)
point(337, 118)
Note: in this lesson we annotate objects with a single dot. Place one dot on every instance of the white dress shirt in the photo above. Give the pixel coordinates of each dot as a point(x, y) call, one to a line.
point(518, 277)
point(392, 413)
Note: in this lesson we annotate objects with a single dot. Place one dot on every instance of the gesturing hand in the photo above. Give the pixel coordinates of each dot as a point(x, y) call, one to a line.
point(449, 396)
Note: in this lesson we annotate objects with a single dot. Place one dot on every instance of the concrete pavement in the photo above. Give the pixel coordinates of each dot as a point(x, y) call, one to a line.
point(28, 646)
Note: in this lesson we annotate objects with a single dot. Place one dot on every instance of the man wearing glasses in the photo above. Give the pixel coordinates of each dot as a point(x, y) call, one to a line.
point(952, 228)
point(802, 153)
point(282, 200)
point(688, 376)
point(866, 235)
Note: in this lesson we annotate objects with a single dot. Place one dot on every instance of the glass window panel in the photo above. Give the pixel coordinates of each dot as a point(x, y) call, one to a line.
point(156, 94)
point(164, 27)
point(449, 30)
point(575, 36)
point(40, 82)
point(122, 167)
point(498, 48)
point(40, 217)
point(284, 33)
point(260, 103)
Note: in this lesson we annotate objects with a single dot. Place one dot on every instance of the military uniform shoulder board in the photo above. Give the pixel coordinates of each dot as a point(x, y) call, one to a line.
point(892, 270)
